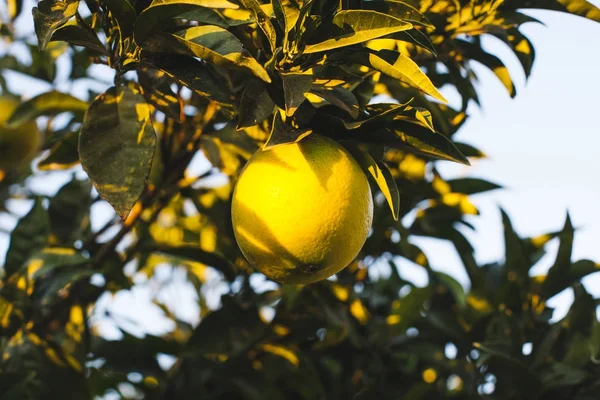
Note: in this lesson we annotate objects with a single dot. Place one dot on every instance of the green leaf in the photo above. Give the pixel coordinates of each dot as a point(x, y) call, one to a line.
point(56, 257)
point(295, 86)
point(350, 27)
point(161, 10)
point(69, 211)
point(381, 116)
point(559, 272)
point(515, 259)
point(49, 15)
point(30, 235)
point(227, 331)
point(581, 8)
point(395, 65)
point(281, 133)
point(400, 10)
point(381, 175)
point(255, 104)
point(263, 21)
point(469, 151)
point(411, 307)
point(157, 91)
point(422, 141)
point(63, 154)
point(124, 13)
point(215, 260)
point(79, 36)
point(14, 8)
point(211, 43)
point(340, 97)
point(116, 145)
point(520, 45)
point(287, 11)
point(196, 76)
point(471, 185)
point(417, 38)
point(476, 53)
point(49, 103)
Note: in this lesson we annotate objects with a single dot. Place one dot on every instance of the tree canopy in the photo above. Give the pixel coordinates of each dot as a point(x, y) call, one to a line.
point(216, 80)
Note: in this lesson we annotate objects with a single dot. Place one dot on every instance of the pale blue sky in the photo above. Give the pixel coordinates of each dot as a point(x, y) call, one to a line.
point(542, 146)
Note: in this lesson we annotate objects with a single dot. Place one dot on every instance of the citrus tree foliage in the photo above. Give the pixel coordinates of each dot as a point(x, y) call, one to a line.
point(225, 77)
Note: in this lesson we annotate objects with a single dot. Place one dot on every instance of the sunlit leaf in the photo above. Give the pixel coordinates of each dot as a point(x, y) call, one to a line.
point(157, 90)
point(492, 62)
point(400, 10)
point(124, 13)
point(160, 10)
point(350, 27)
point(582, 8)
point(263, 21)
point(116, 145)
point(396, 65)
point(211, 43)
point(521, 46)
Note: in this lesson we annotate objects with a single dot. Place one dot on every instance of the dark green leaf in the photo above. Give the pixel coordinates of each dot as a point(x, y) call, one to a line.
point(156, 87)
point(69, 211)
point(116, 145)
point(79, 36)
point(263, 21)
point(211, 43)
point(471, 185)
point(340, 97)
point(281, 133)
point(226, 331)
point(350, 27)
point(255, 104)
point(582, 8)
point(492, 62)
point(381, 175)
point(63, 154)
point(422, 141)
point(516, 260)
point(394, 64)
point(124, 13)
point(30, 234)
point(49, 15)
point(215, 260)
point(161, 10)
point(196, 76)
point(400, 10)
point(49, 103)
point(520, 45)
point(295, 86)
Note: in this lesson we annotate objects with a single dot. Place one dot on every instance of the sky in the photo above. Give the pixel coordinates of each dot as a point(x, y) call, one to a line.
point(541, 147)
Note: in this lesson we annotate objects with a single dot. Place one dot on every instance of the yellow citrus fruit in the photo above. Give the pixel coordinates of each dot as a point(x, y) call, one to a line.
point(302, 211)
point(19, 144)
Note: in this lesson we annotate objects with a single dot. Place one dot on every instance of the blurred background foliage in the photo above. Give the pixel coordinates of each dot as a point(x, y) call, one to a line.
point(186, 83)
